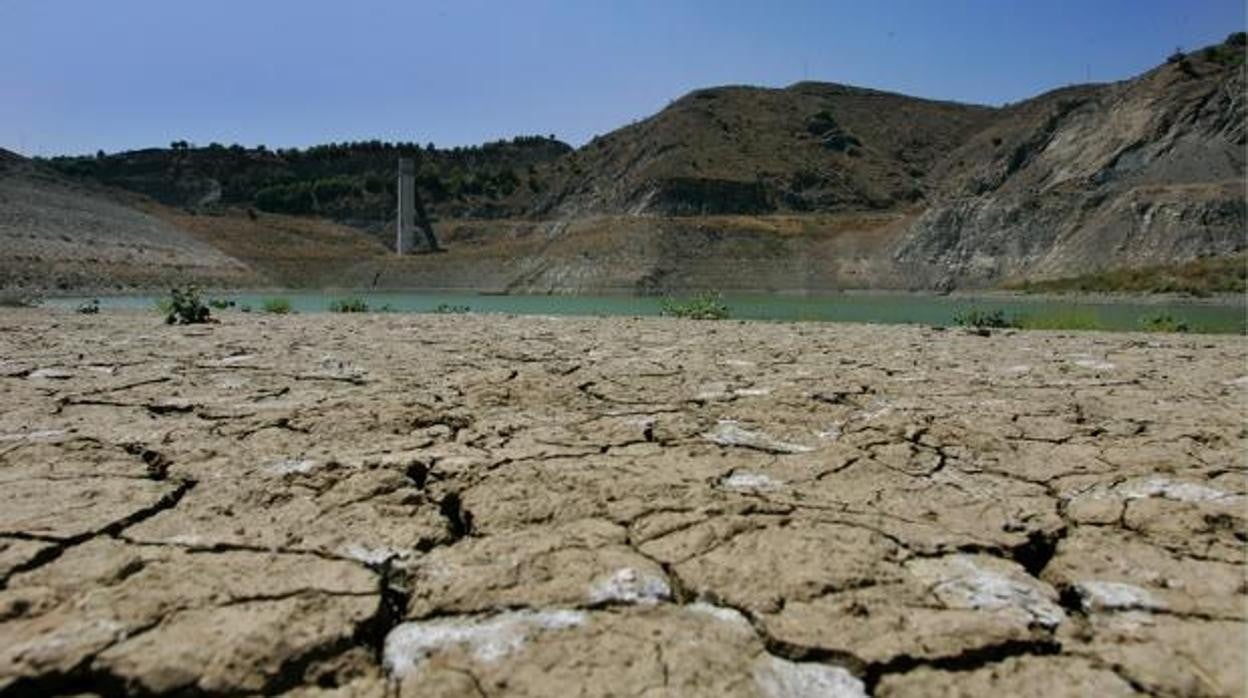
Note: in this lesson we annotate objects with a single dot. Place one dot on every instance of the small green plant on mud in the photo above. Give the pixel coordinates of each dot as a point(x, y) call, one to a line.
point(220, 303)
point(186, 308)
point(91, 307)
point(1163, 322)
point(704, 306)
point(448, 309)
point(276, 306)
point(348, 305)
point(983, 319)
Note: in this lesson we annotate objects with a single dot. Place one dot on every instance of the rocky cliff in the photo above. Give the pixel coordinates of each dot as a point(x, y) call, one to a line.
point(1143, 172)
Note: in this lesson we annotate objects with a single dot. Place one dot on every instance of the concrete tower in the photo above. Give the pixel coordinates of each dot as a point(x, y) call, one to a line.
point(405, 237)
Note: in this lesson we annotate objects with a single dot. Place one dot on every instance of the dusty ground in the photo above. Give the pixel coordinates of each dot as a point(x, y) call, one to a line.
point(472, 505)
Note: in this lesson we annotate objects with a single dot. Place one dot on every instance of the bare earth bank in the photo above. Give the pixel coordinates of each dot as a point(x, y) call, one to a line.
point(480, 505)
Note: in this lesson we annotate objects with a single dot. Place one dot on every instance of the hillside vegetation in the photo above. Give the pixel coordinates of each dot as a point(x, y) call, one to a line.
point(347, 182)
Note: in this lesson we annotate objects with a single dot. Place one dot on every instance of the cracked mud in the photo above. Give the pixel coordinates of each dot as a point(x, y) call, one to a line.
point(489, 506)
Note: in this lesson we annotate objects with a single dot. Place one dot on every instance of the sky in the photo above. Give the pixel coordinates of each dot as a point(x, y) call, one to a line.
point(77, 76)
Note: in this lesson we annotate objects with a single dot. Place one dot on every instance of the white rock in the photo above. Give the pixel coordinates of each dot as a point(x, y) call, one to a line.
point(236, 359)
point(369, 556)
point(1096, 595)
point(290, 466)
point(750, 481)
point(50, 374)
point(730, 433)
point(627, 585)
point(488, 639)
point(730, 616)
point(1169, 489)
point(752, 392)
point(1094, 364)
point(960, 582)
point(780, 678)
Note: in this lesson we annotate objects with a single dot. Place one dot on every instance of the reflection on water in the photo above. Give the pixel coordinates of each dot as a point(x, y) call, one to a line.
point(849, 307)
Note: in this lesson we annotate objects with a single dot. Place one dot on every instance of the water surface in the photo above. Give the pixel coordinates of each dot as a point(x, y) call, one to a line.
point(889, 308)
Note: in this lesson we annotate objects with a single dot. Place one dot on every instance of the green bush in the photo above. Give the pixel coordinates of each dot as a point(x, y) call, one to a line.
point(1163, 322)
point(276, 306)
point(983, 319)
point(348, 305)
point(704, 306)
point(186, 308)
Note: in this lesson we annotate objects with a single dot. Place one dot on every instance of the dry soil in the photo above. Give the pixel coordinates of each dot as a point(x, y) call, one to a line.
point(486, 506)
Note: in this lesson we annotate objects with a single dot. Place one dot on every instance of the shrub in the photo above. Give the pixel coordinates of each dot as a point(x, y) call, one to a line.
point(447, 309)
point(348, 305)
point(186, 308)
point(983, 319)
point(704, 306)
point(1163, 322)
point(91, 307)
point(276, 306)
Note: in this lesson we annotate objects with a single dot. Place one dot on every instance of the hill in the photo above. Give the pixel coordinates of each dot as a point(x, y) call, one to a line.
point(1142, 172)
point(815, 186)
point(60, 234)
point(809, 147)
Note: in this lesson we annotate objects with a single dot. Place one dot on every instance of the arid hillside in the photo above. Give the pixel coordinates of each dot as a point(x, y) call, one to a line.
point(1144, 172)
point(812, 187)
point(59, 235)
point(748, 150)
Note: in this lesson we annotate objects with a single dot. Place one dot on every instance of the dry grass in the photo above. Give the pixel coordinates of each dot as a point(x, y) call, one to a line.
point(1201, 277)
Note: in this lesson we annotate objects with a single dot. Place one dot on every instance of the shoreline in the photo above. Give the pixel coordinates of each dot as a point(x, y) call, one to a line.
point(1215, 299)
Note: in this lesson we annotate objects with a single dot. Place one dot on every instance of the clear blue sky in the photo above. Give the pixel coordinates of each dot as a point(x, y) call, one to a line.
point(82, 75)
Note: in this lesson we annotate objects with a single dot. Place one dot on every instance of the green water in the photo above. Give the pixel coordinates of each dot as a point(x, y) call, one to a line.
point(892, 308)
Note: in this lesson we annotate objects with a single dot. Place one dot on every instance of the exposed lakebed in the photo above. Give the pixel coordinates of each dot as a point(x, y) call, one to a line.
point(371, 505)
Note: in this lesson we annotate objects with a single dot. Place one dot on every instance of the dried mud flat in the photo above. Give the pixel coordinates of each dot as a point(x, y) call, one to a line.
point(475, 505)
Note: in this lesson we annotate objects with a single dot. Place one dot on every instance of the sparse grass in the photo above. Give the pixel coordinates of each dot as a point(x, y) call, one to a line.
point(704, 306)
point(17, 299)
point(348, 305)
point(447, 309)
point(186, 307)
point(1199, 278)
point(276, 306)
point(220, 303)
point(1163, 322)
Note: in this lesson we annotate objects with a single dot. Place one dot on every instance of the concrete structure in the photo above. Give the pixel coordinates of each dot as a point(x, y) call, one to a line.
point(411, 213)
point(405, 236)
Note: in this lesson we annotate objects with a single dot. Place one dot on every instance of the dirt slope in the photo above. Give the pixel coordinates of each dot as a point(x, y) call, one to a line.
point(59, 235)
